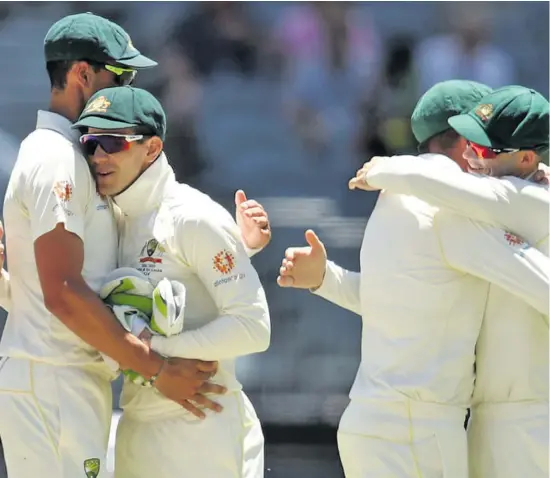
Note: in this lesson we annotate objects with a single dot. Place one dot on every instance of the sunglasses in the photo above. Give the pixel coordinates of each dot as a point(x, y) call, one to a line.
point(123, 76)
point(110, 143)
point(484, 152)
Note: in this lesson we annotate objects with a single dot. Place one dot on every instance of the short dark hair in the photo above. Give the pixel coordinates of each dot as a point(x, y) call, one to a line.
point(57, 72)
point(443, 141)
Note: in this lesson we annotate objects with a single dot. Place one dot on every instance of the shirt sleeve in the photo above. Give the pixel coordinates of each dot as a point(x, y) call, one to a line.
point(341, 287)
point(214, 250)
point(496, 256)
point(497, 201)
point(58, 191)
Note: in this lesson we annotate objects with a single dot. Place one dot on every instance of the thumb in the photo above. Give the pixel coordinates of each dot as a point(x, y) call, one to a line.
point(313, 240)
point(240, 197)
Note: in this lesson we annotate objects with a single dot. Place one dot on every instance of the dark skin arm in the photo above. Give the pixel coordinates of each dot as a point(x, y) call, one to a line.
point(59, 259)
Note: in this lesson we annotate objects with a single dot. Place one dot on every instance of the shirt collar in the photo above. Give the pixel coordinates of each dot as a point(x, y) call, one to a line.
point(58, 123)
point(147, 192)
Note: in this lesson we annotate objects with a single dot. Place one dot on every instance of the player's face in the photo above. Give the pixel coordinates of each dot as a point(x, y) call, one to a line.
point(491, 161)
point(118, 157)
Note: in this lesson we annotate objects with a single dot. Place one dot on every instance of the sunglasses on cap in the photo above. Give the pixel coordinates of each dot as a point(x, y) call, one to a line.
point(485, 152)
point(110, 143)
point(123, 76)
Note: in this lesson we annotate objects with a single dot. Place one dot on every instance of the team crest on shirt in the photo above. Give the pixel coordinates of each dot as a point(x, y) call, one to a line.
point(516, 243)
point(99, 105)
point(151, 257)
point(224, 262)
point(91, 467)
point(513, 240)
point(484, 112)
point(63, 190)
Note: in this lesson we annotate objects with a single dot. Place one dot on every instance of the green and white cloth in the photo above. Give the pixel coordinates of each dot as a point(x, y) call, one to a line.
point(138, 304)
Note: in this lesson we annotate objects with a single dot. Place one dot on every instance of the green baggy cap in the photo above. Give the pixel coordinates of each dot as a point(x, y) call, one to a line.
point(513, 117)
point(86, 36)
point(123, 107)
point(440, 102)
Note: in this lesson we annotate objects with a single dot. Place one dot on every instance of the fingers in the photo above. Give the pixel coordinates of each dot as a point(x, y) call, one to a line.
point(240, 197)
point(354, 183)
point(208, 387)
point(207, 403)
point(210, 367)
point(285, 281)
point(1, 230)
point(194, 410)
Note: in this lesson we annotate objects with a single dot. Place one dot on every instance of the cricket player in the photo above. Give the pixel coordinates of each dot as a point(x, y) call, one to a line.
point(171, 230)
point(507, 132)
point(422, 293)
point(55, 391)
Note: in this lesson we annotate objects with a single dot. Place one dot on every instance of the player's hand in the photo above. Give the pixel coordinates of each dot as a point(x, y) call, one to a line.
point(542, 176)
point(252, 219)
point(304, 267)
point(360, 179)
point(184, 382)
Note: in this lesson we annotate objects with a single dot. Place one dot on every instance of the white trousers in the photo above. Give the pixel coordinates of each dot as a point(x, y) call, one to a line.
point(509, 440)
point(225, 445)
point(54, 420)
point(407, 440)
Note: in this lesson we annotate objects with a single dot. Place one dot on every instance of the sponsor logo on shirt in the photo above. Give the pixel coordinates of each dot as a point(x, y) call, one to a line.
point(226, 280)
point(223, 262)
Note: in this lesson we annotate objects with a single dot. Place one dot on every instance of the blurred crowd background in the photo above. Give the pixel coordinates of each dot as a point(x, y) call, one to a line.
point(286, 101)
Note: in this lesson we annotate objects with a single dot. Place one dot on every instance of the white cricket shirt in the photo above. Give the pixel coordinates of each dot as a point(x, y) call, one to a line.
point(172, 230)
point(50, 184)
point(422, 293)
point(512, 349)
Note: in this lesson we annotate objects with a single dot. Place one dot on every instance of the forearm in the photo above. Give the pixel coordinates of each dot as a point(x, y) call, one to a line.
point(341, 287)
point(81, 310)
point(225, 337)
point(448, 188)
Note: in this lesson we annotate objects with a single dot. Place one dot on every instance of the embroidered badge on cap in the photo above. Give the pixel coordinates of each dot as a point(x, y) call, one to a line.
point(99, 105)
point(484, 112)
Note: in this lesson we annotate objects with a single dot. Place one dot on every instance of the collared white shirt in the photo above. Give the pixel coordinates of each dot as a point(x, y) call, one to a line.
point(422, 293)
point(172, 230)
point(50, 184)
point(512, 349)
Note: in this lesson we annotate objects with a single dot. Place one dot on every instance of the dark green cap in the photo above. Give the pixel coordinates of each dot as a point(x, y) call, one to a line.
point(512, 117)
point(86, 36)
point(123, 107)
point(440, 102)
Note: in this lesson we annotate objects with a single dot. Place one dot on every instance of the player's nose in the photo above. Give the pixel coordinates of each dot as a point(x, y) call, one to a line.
point(99, 156)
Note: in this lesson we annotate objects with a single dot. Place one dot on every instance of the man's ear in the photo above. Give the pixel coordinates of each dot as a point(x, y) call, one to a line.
point(81, 73)
point(528, 158)
point(155, 148)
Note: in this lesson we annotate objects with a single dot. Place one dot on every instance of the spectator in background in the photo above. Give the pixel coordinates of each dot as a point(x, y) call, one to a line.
point(466, 52)
point(331, 52)
point(218, 36)
point(386, 114)
point(9, 147)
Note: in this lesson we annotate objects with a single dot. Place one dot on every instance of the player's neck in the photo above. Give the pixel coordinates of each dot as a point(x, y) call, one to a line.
point(63, 104)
